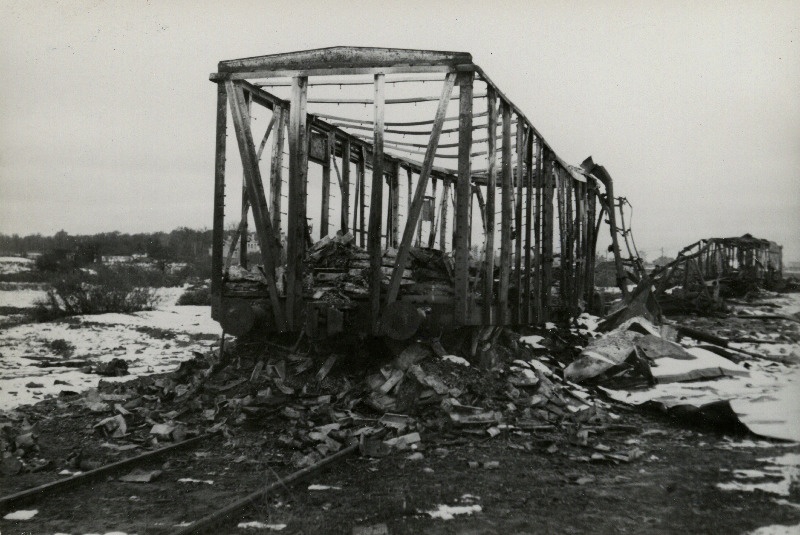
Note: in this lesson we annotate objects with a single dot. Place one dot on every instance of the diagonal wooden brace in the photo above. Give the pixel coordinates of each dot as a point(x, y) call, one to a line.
point(255, 191)
point(419, 193)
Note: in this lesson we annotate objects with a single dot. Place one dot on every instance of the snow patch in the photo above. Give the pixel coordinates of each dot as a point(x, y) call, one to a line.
point(448, 512)
point(260, 525)
point(777, 530)
point(785, 468)
point(533, 341)
point(22, 514)
point(97, 338)
point(456, 360)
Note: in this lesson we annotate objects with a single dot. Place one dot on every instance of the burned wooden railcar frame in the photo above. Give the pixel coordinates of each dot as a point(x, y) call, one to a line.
point(729, 266)
point(546, 252)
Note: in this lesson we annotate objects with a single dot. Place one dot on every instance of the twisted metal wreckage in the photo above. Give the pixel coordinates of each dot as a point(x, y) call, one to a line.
point(425, 266)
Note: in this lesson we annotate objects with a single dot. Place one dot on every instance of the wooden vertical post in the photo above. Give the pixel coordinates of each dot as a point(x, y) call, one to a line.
point(559, 183)
point(276, 170)
point(518, 234)
point(526, 305)
point(387, 178)
point(410, 189)
point(243, 235)
point(547, 235)
point(345, 184)
point(591, 253)
point(375, 207)
point(568, 263)
point(326, 186)
point(217, 236)
point(537, 231)
point(583, 235)
point(443, 217)
point(463, 225)
point(578, 192)
point(395, 196)
point(506, 213)
point(296, 238)
point(491, 185)
point(432, 230)
point(361, 171)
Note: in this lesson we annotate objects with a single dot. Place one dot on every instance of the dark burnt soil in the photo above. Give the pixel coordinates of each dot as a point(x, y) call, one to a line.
point(605, 470)
point(542, 483)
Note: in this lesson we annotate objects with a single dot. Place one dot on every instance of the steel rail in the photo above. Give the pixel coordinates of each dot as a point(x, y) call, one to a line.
point(29, 495)
point(217, 517)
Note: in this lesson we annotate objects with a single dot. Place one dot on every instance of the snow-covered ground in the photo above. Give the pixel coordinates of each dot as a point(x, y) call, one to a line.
point(150, 342)
point(15, 264)
point(24, 295)
point(766, 400)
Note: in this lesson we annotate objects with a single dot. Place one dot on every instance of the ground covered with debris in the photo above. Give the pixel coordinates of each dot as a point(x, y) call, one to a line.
point(564, 429)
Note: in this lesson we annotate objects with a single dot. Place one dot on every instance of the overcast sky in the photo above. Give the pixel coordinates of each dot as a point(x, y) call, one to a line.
point(693, 107)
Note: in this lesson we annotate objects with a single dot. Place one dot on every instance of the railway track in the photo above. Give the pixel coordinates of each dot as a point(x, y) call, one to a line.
point(90, 502)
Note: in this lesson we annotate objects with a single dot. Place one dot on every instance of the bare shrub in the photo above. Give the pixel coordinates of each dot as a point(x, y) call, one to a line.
point(106, 290)
point(59, 346)
point(196, 295)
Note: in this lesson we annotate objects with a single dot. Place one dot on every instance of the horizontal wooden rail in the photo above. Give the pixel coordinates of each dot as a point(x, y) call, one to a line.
point(369, 101)
point(401, 123)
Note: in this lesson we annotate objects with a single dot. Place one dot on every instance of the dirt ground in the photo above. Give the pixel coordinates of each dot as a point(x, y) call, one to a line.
point(685, 478)
point(541, 484)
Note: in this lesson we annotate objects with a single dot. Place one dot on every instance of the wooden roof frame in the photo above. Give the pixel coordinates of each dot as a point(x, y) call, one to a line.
point(352, 60)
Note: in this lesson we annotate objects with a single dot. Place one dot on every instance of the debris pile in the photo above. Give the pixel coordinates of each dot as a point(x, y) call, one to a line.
point(339, 271)
point(320, 402)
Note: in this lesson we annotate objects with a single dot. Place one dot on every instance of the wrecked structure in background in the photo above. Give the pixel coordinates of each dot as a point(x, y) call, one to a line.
point(715, 268)
point(490, 228)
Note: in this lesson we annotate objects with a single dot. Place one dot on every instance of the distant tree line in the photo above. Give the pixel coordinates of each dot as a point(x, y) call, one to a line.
point(181, 245)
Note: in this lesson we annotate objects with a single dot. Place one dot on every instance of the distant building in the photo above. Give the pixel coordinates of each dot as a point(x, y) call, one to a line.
point(252, 245)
